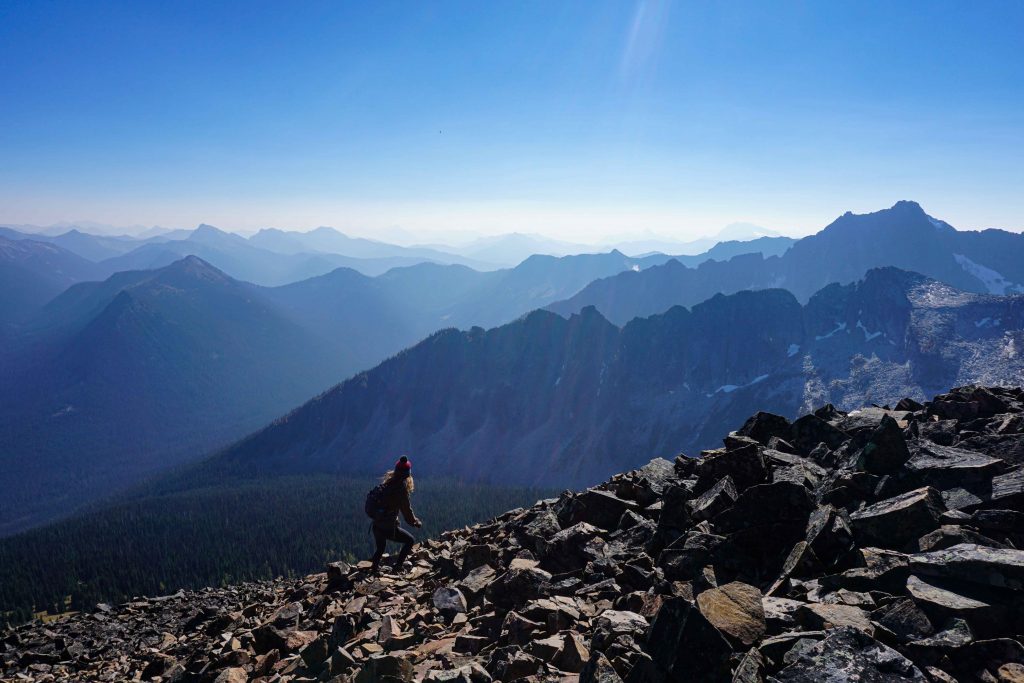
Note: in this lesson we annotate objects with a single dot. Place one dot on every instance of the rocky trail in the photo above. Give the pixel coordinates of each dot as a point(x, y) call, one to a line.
point(877, 545)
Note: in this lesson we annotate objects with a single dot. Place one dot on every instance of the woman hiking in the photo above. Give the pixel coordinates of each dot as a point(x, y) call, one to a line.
point(393, 498)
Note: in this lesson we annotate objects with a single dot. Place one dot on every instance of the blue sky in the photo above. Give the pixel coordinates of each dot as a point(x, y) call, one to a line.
point(580, 120)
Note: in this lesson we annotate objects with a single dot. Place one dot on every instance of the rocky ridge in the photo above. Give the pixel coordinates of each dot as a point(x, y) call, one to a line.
point(876, 545)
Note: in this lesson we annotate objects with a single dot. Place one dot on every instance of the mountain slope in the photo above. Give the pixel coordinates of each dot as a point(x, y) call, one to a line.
point(518, 403)
point(864, 546)
point(903, 236)
point(167, 364)
point(33, 272)
point(207, 358)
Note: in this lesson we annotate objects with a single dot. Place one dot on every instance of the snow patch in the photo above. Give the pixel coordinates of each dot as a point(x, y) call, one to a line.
point(988, 322)
point(793, 350)
point(635, 268)
point(729, 388)
point(839, 328)
point(993, 281)
point(868, 336)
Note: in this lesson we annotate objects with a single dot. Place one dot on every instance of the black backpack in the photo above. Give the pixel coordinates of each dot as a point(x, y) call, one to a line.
point(374, 505)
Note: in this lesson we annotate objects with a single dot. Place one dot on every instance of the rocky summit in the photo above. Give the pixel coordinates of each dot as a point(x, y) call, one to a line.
point(880, 544)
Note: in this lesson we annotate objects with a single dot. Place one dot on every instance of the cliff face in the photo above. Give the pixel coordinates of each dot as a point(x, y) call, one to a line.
point(876, 545)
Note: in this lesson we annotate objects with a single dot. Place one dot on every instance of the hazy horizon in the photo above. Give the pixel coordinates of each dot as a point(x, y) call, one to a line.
point(580, 121)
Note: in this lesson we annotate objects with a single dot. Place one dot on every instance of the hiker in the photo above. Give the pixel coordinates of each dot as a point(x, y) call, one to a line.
point(384, 503)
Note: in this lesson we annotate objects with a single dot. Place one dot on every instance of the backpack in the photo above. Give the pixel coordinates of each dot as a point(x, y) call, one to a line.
point(374, 505)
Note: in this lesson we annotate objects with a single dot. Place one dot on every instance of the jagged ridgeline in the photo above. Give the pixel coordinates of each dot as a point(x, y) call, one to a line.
point(879, 544)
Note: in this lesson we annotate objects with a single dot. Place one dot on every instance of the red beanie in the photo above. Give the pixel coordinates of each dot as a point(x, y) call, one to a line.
point(403, 466)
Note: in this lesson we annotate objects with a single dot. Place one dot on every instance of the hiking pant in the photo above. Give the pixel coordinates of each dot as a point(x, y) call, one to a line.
point(381, 535)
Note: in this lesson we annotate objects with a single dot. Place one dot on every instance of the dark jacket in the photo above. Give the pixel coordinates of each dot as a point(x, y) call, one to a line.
point(395, 500)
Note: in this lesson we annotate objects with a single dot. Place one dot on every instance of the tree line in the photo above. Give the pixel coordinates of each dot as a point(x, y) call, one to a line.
point(261, 529)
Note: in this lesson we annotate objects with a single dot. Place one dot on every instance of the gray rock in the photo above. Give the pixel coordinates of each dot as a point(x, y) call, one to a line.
point(599, 508)
point(715, 500)
point(944, 599)
point(1000, 567)
point(735, 609)
point(449, 601)
point(746, 466)
point(905, 620)
point(886, 451)
point(848, 654)
point(893, 522)
point(599, 670)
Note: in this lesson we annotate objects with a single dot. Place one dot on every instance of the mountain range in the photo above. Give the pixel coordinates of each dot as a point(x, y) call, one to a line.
point(568, 401)
point(32, 273)
point(903, 236)
point(117, 379)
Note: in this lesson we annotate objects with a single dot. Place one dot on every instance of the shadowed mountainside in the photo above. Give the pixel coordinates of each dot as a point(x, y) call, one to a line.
point(521, 402)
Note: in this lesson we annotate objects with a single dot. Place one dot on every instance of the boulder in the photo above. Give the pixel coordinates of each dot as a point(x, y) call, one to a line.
point(886, 451)
point(683, 560)
point(776, 503)
point(763, 426)
point(849, 654)
point(477, 556)
point(599, 670)
point(945, 466)
point(567, 550)
point(683, 644)
point(338, 576)
point(828, 535)
point(476, 582)
point(810, 430)
point(735, 610)
point(620, 622)
point(386, 669)
point(674, 517)
point(449, 601)
point(751, 668)
point(235, 674)
point(746, 466)
point(518, 586)
point(573, 655)
point(817, 616)
point(999, 567)
point(905, 620)
point(944, 601)
point(893, 522)
point(715, 500)
point(598, 508)
point(518, 630)
point(1008, 490)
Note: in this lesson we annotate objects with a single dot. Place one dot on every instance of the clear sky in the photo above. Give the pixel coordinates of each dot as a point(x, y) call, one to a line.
point(575, 119)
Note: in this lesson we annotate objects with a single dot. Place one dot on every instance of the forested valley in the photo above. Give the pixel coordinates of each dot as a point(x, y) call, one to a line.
point(261, 529)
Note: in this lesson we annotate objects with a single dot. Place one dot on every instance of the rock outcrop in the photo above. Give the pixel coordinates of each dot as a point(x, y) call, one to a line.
point(877, 545)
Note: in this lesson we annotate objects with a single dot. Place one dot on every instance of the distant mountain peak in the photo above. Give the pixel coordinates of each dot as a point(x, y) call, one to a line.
point(196, 268)
point(907, 205)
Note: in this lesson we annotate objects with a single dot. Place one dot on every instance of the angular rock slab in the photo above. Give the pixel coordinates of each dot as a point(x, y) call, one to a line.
point(893, 522)
point(999, 567)
point(847, 654)
point(735, 609)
